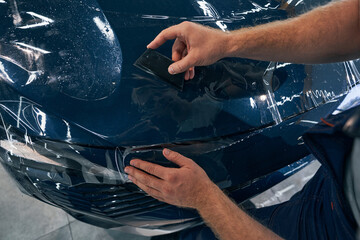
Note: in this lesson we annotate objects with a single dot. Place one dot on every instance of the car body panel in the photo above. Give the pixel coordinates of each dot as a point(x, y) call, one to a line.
point(75, 110)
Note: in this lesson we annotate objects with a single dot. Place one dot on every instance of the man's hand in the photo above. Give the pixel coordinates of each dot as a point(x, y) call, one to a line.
point(189, 186)
point(195, 45)
point(325, 34)
point(185, 186)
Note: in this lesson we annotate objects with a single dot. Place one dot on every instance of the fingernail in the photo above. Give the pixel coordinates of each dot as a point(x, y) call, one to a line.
point(171, 70)
point(132, 163)
point(127, 170)
point(130, 178)
point(166, 151)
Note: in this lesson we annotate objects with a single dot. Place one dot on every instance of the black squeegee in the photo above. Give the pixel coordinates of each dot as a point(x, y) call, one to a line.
point(157, 64)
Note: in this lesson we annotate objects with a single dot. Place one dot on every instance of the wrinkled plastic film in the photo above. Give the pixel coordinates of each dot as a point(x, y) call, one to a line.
point(252, 95)
point(270, 97)
point(67, 163)
point(43, 62)
point(74, 111)
point(22, 150)
point(215, 94)
point(62, 153)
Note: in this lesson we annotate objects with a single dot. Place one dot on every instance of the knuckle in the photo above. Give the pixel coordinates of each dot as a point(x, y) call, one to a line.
point(134, 181)
point(185, 25)
point(149, 169)
point(171, 177)
point(174, 155)
point(179, 68)
point(189, 25)
point(146, 179)
point(129, 170)
point(161, 34)
point(167, 176)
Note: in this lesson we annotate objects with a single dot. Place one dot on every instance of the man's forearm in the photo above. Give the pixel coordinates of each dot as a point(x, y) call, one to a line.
point(326, 34)
point(228, 221)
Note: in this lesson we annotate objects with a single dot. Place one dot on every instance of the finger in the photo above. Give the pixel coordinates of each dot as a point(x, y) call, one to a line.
point(176, 158)
point(177, 50)
point(151, 191)
point(153, 169)
point(164, 35)
point(187, 75)
point(192, 73)
point(184, 52)
point(182, 65)
point(144, 178)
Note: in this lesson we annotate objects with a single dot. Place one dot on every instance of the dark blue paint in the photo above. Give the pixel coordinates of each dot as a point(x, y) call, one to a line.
point(88, 111)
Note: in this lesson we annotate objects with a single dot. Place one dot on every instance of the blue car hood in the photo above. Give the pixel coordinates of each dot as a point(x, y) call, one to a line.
point(72, 63)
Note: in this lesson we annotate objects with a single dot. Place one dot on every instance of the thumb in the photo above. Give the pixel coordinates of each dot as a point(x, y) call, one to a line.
point(181, 65)
point(176, 158)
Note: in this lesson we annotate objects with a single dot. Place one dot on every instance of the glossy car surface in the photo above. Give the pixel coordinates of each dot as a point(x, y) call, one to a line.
point(74, 110)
